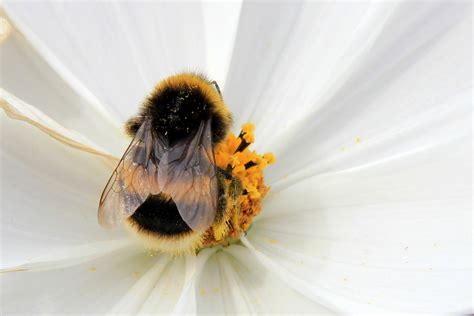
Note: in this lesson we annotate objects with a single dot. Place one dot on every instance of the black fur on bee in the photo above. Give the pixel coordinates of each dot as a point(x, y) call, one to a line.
point(159, 215)
point(179, 104)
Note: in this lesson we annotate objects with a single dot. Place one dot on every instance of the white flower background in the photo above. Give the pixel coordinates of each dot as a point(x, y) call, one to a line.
point(367, 107)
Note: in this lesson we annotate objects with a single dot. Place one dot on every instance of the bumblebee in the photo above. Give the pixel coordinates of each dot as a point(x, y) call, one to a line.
point(167, 188)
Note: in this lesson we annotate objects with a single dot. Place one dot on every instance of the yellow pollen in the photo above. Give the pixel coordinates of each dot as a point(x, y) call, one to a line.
point(93, 269)
point(216, 290)
point(235, 156)
point(247, 132)
point(273, 241)
point(151, 252)
point(244, 203)
point(358, 140)
point(248, 128)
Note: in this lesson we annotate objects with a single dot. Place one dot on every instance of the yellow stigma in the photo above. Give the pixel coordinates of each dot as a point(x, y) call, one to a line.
point(235, 156)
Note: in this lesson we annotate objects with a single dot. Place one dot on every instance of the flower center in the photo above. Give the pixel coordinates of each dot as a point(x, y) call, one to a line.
point(234, 156)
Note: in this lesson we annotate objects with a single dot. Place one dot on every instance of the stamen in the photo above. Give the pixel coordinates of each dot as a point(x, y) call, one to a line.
point(247, 166)
point(246, 137)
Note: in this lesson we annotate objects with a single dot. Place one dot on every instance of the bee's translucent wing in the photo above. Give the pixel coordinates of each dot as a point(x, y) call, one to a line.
point(133, 179)
point(187, 173)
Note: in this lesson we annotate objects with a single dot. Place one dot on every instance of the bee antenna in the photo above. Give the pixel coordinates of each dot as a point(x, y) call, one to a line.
point(217, 86)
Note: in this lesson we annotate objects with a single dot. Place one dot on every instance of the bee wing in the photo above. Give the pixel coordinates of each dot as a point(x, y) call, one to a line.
point(133, 179)
point(187, 173)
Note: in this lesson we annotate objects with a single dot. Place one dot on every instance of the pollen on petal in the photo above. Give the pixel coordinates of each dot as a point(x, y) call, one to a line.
point(273, 241)
point(136, 274)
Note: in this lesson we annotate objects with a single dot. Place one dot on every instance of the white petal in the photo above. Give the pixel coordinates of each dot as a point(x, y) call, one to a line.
point(28, 74)
point(389, 206)
point(194, 268)
point(167, 287)
point(437, 125)
point(167, 290)
point(50, 192)
point(221, 21)
point(92, 287)
point(141, 289)
point(279, 70)
point(234, 282)
point(394, 236)
point(70, 256)
point(399, 96)
point(119, 50)
point(19, 110)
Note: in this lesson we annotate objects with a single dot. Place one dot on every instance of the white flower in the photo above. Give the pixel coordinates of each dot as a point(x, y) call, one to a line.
point(366, 106)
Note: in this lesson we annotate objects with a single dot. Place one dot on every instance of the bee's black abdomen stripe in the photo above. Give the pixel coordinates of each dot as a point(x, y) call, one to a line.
point(159, 215)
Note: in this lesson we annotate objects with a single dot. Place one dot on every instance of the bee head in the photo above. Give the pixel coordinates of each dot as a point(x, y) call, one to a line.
point(177, 106)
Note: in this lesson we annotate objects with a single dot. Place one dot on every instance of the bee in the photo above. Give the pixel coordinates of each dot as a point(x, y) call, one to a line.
point(166, 188)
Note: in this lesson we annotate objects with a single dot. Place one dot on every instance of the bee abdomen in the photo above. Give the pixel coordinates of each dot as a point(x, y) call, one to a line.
point(159, 214)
